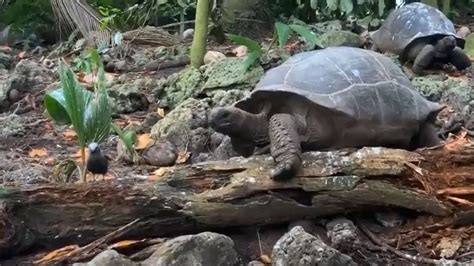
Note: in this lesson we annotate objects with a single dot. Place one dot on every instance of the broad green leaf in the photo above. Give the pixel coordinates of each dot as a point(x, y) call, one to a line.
point(55, 105)
point(249, 43)
point(76, 100)
point(381, 7)
point(129, 138)
point(346, 6)
point(306, 33)
point(98, 116)
point(283, 32)
point(314, 4)
point(332, 4)
point(252, 57)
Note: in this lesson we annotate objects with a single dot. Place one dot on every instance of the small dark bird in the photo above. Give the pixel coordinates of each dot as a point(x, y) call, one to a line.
point(97, 163)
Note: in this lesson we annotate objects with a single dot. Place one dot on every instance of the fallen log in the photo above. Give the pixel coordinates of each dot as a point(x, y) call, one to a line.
point(237, 192)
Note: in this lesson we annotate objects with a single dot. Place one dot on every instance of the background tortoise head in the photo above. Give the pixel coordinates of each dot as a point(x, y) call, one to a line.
point(447, 43)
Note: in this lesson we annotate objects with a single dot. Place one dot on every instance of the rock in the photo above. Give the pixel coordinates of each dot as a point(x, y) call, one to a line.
point(11, 125)
point(212, 56)
point(297, 247)
point(343, 235)
point(6, 60)
point(240, 51)
point(453, 91)
point(224, 150)
point(327, 26)
point(160, 153)
point(108, 257)
point(225, 74)
point(227, 97)
point(206, 248)
point(340, 38)
point(188, 34)
point(130, 97)
point(463, 32)
point(185, 126)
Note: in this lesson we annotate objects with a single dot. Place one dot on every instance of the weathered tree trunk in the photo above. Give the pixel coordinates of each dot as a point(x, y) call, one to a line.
point(237, 192)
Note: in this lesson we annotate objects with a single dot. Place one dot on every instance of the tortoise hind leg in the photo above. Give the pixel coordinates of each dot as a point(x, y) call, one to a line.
point(285, 146)
point(424, 59)
point(459, 59)
point(427, 136)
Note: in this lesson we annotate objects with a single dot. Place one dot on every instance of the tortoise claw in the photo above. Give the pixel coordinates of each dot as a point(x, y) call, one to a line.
point(283, 172)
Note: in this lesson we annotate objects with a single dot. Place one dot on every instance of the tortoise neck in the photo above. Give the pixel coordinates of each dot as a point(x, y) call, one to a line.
point(254, 127)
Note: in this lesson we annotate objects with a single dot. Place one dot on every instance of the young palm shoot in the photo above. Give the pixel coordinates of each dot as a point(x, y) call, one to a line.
point(88, 113)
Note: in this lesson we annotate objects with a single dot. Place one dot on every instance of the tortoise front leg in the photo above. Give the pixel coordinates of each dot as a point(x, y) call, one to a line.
point(459, 59)
point(285, 146)
point(424, 59)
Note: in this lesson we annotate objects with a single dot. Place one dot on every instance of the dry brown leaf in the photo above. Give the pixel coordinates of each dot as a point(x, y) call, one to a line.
point(90, 78)
point(159, 173)
point(77, 155)
point(41, 152)
point(56, 253)
point(123, 244)
point(21, 55)
point(70, 135)
point(161, 112)
point(183, 157)
point(448, 246)
point(461, 201)
point(144, 141)
point(266, 259)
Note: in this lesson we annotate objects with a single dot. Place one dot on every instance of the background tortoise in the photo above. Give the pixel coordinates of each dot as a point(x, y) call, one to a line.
point(421, 34)
point(331, 98)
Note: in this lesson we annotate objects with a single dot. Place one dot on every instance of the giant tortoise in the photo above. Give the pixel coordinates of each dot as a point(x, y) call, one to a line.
point(326, 99)
point(423, 35)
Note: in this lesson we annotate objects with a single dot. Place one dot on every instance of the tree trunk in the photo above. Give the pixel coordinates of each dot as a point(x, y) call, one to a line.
point(237, 192)
point(198, 47)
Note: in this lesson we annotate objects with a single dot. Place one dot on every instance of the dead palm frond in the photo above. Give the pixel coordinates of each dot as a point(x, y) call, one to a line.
point(77, 14)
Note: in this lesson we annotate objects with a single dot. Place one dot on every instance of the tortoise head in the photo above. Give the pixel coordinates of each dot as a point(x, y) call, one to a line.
point(227, 120)
point(446, 44)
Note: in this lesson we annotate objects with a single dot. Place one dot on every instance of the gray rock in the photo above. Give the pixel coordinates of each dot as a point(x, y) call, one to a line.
point(340, 38)
point(327, 26)
point(389, 218)
point(255, 263)
point(343, 234)
point(453, 91)
point(300, 248)
point(108, 258)
point(11, 126)
point(6, 60)
point(206, 248)
point(185, 126)
point(161, 153)
point(224, 151)
point(130, 97)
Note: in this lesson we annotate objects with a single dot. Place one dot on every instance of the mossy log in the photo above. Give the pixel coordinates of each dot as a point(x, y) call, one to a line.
point(237, 192)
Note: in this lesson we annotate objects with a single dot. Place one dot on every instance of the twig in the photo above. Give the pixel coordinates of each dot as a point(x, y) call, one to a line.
point(399, 253)
point(85, 252)
point(176, 24)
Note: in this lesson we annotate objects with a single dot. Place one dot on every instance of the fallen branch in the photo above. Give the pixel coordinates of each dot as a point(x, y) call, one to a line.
point(237, 192)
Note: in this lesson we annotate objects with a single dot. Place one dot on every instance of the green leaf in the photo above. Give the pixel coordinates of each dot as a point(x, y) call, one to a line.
point(283, 32)
point(249, 43)
point(313, 4)
point(381, 7)
point(76, 98)
point(346, 6)
point(306, 33)
point(332, 4)
point(55, 105)
point(98, 116)
point(252, 57)
point(129, 138)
